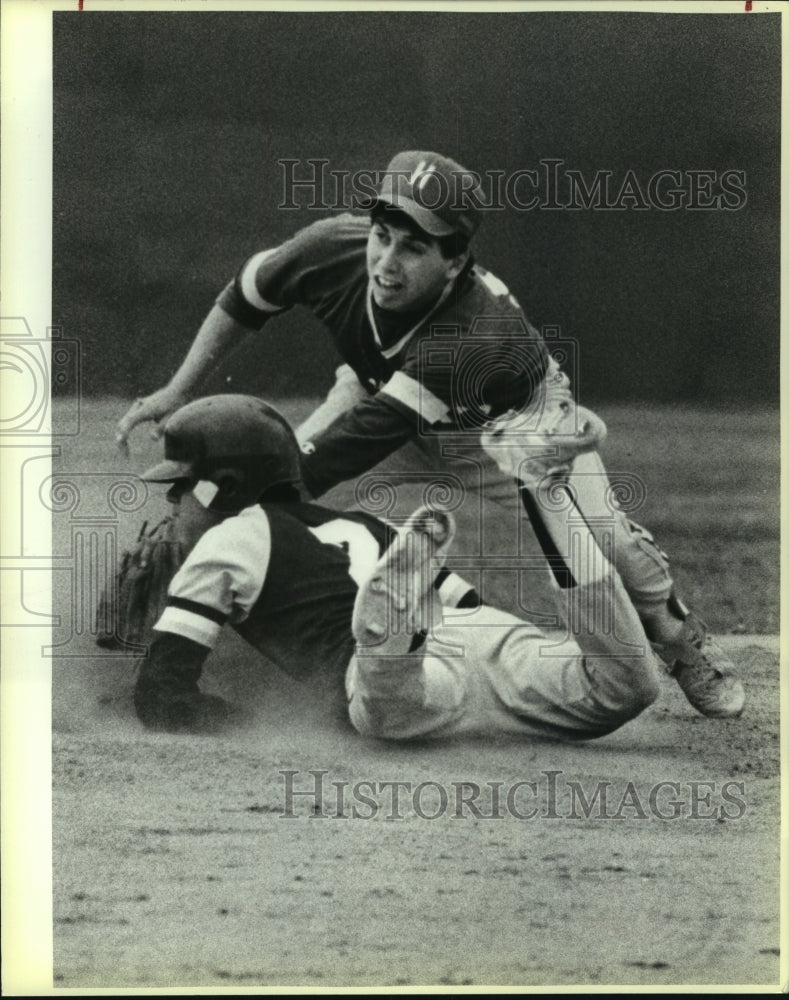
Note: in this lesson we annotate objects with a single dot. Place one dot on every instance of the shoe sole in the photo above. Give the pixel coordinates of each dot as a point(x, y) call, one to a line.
point(391, 607)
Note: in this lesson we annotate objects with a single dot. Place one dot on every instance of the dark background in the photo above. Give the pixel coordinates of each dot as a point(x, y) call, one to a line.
point(168, 128)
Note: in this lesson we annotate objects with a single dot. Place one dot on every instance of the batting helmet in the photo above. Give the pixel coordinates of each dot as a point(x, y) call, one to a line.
point(239, 443)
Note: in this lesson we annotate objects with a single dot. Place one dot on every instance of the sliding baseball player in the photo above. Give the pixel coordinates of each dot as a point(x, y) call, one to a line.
point(434, 348)
point(319, 590)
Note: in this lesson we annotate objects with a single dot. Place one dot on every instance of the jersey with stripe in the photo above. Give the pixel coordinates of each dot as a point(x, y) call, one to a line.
point(471, 356)
point(285, 576)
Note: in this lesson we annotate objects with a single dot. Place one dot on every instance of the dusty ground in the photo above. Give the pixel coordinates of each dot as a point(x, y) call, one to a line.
point(174, 865)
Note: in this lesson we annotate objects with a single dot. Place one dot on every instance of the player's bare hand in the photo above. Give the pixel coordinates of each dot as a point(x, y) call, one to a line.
point(156, 407)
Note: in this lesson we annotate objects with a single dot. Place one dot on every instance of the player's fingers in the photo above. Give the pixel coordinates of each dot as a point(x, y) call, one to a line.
point(122, 431)
point(136, 413)
point(591, 428)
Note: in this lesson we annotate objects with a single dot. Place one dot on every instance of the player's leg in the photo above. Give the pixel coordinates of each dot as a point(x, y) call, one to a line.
point(581, 687)
point(702, 669)
point(494, 673)
point(394, 690)
point(698, 663)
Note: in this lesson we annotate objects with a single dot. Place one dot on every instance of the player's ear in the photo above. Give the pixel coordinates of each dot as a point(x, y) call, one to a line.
point(456, 264)
point(230, 483)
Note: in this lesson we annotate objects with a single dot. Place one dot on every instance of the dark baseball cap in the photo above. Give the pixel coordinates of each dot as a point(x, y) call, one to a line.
point(437, 193)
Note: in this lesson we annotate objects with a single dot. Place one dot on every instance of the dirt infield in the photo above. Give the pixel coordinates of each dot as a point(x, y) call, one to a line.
point(189, 861)
point(174, 864)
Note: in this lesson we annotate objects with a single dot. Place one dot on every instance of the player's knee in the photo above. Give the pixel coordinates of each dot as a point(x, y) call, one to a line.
point(371, 717)
point(360, 718)
point(625, 692)
point(640, 695)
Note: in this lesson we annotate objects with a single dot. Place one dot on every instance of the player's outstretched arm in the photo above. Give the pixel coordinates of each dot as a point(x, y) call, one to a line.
point(217, 336)
point(166, 694)
point(354, 442)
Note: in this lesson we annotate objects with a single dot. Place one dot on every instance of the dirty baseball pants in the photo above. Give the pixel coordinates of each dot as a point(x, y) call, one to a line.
point(493, 673)
point(462, 472)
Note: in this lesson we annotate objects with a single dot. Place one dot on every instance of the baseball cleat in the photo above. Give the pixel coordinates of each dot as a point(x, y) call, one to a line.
point(705, 673)
point(398, 602)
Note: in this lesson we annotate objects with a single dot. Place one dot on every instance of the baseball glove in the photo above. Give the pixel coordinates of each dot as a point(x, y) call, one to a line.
point(133, 601)
point(529, 452)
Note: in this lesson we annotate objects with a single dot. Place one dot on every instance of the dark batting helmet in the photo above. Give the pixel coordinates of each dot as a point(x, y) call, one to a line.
point(239, 443)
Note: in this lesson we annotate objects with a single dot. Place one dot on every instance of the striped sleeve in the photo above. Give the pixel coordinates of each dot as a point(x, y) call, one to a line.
point(413, 399)
point(220, 580)
point(304, 270)
point(242, 300)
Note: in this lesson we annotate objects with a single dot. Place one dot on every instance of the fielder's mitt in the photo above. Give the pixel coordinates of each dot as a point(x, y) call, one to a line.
point(134, 600)
point(528, 450)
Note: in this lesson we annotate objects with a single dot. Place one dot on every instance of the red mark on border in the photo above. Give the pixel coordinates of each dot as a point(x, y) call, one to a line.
point(79, 4)
point(748, 5)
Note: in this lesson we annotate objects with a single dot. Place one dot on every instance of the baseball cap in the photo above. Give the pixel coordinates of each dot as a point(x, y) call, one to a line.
point(440, 195)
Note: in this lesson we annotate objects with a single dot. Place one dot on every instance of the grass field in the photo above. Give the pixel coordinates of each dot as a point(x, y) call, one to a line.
point(711, 482)
point(173, 865)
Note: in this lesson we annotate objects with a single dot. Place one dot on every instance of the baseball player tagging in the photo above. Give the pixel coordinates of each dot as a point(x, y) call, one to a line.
point(433, 347)
point(314, 589)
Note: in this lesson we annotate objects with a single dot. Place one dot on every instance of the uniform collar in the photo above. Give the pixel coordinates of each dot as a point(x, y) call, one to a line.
point(416, 319)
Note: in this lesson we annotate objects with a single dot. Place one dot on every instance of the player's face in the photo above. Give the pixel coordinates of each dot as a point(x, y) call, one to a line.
point(193, 518)
point(406, 272)
point(179, 488)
